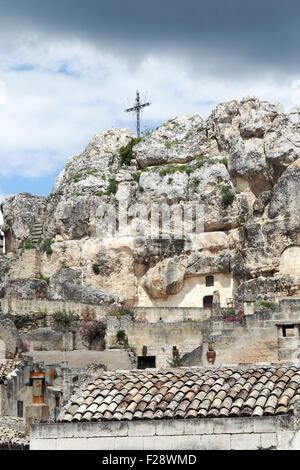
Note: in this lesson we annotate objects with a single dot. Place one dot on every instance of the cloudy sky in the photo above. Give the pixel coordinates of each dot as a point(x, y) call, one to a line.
point(68, 69)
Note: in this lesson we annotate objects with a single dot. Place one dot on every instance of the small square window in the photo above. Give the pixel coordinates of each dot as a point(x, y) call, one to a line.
point(209, 280)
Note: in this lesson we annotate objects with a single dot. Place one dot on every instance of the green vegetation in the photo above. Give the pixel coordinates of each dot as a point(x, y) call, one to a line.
point(46, 246)
point(170, 180)
point(112, 186)
point(29, 244)
point(264, 303)
point(200, 129)
point(171, 169)
point(224, 161)
point(121, 335)
point(194, 185)
point(126, 152)
point(121, 311)
point(204, 159)
point(228, 195)
point(147, 131)
point(76, 178)
point(63, 319)
point(96, 268)
point(20, 320)
point(168, 144)
point(122, 338)
point(44, 278)
point(136, 176)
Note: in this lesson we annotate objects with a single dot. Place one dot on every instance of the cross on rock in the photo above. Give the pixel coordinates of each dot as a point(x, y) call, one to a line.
point(137, 109)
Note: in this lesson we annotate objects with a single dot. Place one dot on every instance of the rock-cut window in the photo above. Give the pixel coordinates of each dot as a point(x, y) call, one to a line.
point(209, 280)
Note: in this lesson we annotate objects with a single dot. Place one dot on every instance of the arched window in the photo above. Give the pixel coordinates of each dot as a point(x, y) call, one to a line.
point(209, 280)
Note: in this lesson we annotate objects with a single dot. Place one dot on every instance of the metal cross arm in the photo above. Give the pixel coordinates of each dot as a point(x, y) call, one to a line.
point(137, 109)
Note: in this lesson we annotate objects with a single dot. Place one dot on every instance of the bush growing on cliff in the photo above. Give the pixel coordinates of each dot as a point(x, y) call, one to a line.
point(112, 186)
point(46, 246)
point(126, 152)
point(96, 268)
point(228, 195)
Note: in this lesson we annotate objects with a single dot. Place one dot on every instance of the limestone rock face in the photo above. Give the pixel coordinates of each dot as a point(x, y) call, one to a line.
point(48, 338)
point(11, 338)
point(265, 288)
point(260, 140)
point(241, 165)
point(179, 140)
point(164, 278)
point(24, 289)
point(20, 213)
point(90, 171)
point(66, 285)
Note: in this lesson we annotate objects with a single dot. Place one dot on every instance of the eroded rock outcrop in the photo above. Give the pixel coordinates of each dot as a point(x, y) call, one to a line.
point(241, 164)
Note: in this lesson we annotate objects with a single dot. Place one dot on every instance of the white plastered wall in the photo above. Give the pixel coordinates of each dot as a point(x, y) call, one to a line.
point(192, 293)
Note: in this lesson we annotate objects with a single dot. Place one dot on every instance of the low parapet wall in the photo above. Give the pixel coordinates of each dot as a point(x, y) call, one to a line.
point(195, 434)
point(15, 306)
point(150, 314)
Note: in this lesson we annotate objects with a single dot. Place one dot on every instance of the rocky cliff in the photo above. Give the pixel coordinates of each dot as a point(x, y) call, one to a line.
point(242, 164)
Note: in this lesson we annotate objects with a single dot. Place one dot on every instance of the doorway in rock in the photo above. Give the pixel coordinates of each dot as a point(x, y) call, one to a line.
point(208, 301)
point(146, 362)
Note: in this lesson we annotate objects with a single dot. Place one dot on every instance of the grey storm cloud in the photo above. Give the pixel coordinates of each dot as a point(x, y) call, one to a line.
point(224, 33)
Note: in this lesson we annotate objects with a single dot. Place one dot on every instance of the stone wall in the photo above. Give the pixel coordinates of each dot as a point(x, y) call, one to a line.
point(151, 314)
point(28, 266)
point(158, 337)
point(288, 340)
point(15, 306)
point(254, 339)
point(279, 432)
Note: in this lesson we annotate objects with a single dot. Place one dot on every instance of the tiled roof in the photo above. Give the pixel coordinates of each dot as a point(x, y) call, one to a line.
point(12, 433)
point(254, 390)
point(7, 367)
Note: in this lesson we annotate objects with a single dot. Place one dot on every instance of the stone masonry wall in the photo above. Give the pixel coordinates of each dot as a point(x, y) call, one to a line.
point(197, 434)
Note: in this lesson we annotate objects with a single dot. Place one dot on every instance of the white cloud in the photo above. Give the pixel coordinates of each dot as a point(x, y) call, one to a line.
point(2, 92)
point(58, 94)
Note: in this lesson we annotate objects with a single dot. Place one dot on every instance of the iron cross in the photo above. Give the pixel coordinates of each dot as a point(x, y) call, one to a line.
point(137, 109)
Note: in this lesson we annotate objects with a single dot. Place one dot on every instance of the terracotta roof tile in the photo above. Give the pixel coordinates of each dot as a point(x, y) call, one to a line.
point(13, 433)
point(181, 393)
